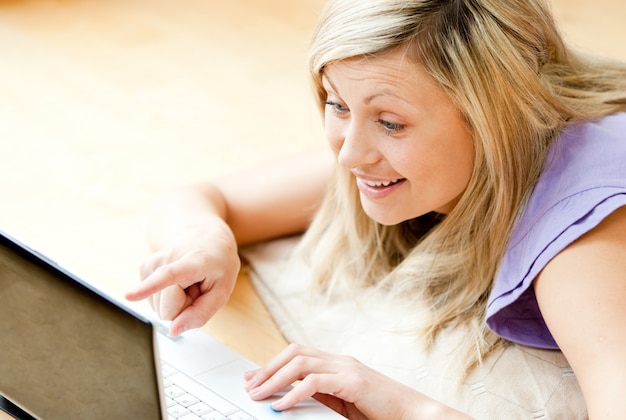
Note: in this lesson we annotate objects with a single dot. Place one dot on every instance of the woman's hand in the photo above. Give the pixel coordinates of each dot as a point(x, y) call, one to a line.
point(196, 229)
point(342, 383)
point(190, 281)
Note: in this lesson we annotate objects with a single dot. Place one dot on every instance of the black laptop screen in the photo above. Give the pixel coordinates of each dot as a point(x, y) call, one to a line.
point(66, 351)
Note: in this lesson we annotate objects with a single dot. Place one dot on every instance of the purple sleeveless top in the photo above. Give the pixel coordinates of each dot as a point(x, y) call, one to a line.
point(583, 181)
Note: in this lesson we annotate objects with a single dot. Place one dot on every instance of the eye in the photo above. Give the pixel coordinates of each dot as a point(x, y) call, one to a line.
point(391, 127)
point(336, 107)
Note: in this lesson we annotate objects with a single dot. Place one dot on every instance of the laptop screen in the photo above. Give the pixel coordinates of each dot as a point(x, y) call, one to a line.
point(67, 351)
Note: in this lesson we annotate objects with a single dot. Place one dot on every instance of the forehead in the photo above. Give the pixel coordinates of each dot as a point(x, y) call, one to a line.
point(391, 73)
point(395, 63)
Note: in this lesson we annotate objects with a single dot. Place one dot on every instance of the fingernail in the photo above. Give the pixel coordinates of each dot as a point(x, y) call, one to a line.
point(179, 330)
point(251, 380)
point(250, 384)
point(276, 406)
point(256, 395)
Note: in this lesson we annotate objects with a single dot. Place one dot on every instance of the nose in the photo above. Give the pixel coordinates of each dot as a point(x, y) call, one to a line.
point(357, 147)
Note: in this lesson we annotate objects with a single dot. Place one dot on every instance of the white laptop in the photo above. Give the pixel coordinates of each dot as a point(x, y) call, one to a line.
point(68, 351)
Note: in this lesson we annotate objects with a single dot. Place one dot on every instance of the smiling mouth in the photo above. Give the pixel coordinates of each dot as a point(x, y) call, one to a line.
point(381, 184)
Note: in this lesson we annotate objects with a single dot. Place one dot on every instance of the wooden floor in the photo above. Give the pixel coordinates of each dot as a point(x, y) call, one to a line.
point(105, 104)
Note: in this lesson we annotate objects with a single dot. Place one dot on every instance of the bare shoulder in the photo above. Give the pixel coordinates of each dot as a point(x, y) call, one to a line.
point(582, 295)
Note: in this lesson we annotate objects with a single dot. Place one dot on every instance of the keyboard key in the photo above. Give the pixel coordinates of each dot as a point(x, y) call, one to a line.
point(177, 411)
point(205, 395)
point(190, 416)
point(167, 370)
point(240, 415)
point(214, 415)
point(174, 391)
point(200, 409)
point(186, 400)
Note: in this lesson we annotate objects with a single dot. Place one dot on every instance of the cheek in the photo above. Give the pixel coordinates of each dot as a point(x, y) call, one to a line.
point(333, 133)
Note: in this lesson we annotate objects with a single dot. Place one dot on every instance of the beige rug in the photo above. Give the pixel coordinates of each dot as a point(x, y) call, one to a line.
point(515, 383)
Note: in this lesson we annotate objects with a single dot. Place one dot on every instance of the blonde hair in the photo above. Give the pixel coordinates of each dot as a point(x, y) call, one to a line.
point(517, 86)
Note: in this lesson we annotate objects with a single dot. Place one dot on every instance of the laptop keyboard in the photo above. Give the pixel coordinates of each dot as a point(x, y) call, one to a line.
point(188, 400)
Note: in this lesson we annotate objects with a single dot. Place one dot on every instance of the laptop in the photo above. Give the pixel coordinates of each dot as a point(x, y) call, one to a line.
point(69, 351)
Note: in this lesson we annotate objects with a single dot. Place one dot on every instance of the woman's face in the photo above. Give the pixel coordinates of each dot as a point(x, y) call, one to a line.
point(399, 134)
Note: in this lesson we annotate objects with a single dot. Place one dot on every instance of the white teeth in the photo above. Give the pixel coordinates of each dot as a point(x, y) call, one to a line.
point(380, 184)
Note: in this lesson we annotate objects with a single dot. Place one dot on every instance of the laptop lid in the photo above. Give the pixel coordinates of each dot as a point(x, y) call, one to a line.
point(67, 350)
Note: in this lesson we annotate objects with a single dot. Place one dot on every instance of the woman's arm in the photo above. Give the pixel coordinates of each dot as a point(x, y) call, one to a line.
point(266, 202)
point(582, 296)
point(194, 233)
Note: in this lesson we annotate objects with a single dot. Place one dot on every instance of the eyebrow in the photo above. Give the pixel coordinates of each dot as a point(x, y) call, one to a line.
point(374, 96)
point(368, 99)
point(330, 82)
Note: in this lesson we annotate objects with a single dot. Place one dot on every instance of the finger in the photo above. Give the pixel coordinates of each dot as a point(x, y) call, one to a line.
point(197, 312)
point(172, 300)
point(148, 266)
point(282, 359)
point(155, 301)
point(248, 377)
point(320, 383)
point(178, 272)
point(300, 367)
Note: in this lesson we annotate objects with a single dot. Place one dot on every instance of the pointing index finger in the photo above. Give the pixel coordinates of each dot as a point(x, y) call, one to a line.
point(161, 278)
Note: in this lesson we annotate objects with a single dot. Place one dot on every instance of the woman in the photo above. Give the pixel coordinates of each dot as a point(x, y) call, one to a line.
point(479, 170)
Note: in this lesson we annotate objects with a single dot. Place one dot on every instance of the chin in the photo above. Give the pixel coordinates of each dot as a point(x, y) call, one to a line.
point(385, 219)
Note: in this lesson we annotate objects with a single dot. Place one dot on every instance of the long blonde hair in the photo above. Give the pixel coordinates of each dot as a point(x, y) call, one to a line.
point(517, 86)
